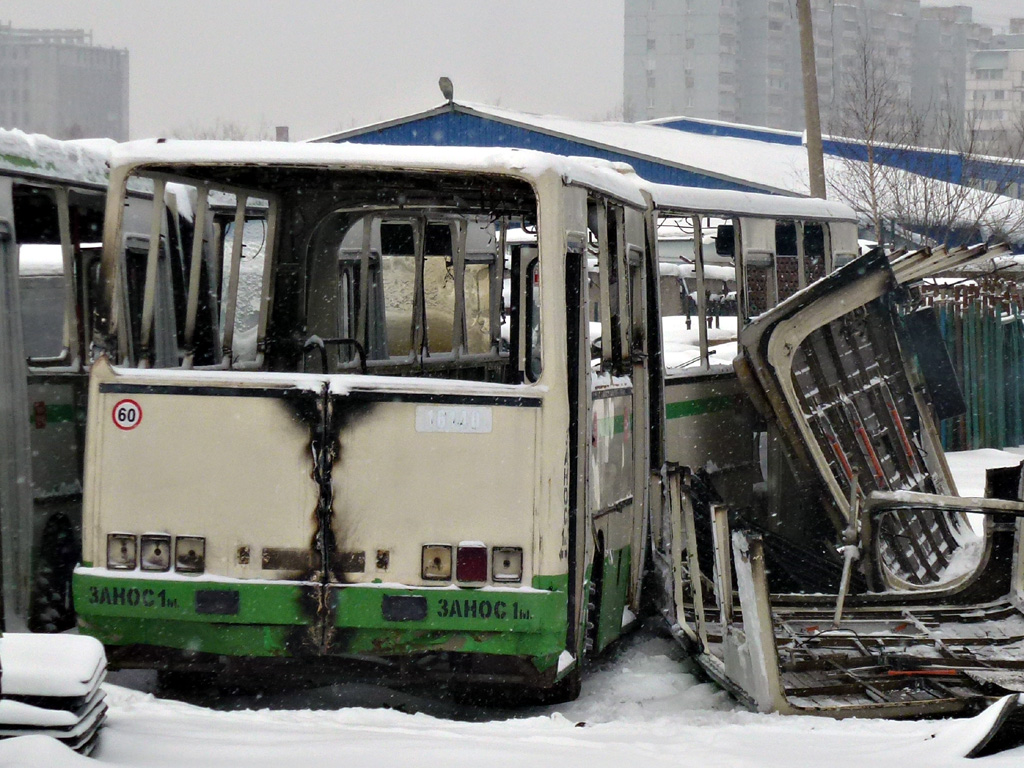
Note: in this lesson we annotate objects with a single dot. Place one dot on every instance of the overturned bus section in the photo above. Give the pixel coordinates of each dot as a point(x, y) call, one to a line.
point(841, 574)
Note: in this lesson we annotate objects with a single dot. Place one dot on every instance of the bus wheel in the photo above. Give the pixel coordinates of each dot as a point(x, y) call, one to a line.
point(52, 608)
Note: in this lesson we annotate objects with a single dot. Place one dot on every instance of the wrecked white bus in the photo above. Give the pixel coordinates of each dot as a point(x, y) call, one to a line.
point(403, 451)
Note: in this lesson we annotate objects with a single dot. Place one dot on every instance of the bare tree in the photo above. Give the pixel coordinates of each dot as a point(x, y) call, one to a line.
point(956, 189)
point(877, 115)
point(224, 130)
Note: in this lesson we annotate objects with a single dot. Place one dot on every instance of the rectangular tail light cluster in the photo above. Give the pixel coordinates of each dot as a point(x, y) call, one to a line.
point(471, 563)
point(156, 552)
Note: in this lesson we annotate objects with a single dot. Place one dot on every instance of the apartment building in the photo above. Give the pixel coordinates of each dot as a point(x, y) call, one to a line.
point(995, 95)
point(55, 81)
point(702, 59)
point(722, 60)
point(946, 39)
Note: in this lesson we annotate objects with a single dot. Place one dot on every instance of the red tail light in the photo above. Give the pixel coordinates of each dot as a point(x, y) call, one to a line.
point(471, 562)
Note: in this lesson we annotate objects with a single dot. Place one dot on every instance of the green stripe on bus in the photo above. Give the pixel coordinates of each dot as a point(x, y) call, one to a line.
point(125, 610)
point(700, 406)
point(269, 640)
point(611, 425)
point(22, 162)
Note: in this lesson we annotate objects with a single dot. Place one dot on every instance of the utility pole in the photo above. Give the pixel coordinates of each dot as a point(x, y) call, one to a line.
point(812, 115)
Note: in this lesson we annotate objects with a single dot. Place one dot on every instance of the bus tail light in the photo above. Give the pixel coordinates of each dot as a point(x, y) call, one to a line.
point(507, 564)
point(437, 562)
point(121, 551)
point(155, 552)
point(471, 562)
point(189, 554)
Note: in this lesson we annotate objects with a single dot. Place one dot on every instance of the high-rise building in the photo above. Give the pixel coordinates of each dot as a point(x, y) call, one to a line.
point(995, 97)
point(856, 43)
point(55, 81)
point(722, 60)
point(706, 59)
point(680, 59)
point(946, 39)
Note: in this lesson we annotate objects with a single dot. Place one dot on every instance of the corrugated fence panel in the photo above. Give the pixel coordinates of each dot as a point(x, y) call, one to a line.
point(984, 330)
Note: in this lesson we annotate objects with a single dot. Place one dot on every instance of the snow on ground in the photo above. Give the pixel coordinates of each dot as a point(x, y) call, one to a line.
point(968, 467)
point(642, 704)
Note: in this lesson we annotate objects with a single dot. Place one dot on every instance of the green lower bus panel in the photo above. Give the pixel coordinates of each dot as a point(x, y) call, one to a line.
point(263, 620)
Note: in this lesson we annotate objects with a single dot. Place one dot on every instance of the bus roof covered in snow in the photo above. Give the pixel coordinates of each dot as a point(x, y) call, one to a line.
point(37, 155)
point(722, 201)
point(616, 179)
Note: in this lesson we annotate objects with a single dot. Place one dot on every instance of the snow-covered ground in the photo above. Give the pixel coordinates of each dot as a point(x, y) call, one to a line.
point(682, 344)
point(642, 704)
point(968, 467)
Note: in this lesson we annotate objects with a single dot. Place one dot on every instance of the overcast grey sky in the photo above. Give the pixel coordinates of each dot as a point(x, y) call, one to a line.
point(324, 65)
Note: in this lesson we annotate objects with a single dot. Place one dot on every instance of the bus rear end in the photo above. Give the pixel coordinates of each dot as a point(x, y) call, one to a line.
point(355, 457)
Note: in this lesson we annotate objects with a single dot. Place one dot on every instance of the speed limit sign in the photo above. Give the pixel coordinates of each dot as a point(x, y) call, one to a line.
point(127, 414)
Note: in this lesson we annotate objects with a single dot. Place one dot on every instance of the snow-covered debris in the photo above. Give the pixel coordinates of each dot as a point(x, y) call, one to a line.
point(51, 687)
point(50, 665)
point(639, 705)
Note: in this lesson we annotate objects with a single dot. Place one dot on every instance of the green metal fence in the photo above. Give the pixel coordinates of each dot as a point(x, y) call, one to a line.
point(983, 325)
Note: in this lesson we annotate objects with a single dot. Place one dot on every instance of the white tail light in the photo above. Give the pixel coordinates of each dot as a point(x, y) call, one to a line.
point(507, 564)
point(437, 562)
point(122, 551)
point(189, 554)
point(155, 552)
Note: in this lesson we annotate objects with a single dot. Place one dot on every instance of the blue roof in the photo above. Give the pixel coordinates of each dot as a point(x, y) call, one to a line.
point(455, 125)
point(734, 130)
point(667, 161)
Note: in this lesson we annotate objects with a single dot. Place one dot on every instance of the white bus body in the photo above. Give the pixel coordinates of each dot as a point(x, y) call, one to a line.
point(392, 457)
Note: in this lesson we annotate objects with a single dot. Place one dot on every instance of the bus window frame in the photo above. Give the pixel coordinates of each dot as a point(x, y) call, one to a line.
point(613, 283)
point(421, 358)
point(70, 358)
point(533, 351)
point(155, 248)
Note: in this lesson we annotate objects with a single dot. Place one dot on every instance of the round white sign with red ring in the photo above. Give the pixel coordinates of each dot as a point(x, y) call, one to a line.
point(127, 414)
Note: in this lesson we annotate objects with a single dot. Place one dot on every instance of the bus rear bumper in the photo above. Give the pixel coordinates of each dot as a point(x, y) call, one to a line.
point(165, 621)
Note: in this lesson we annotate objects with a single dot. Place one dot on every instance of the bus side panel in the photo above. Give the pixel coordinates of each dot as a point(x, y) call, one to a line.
point(709, 423)
point(55, 412)
point(713, 429)
point(15, 458)
point(612, 483)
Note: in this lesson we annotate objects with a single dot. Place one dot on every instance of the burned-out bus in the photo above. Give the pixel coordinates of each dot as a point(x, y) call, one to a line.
point(812, 550)
point(405, 443)
point(52, 202)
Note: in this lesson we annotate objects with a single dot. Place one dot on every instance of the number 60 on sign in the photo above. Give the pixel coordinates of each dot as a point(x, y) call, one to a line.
point(127, 414)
